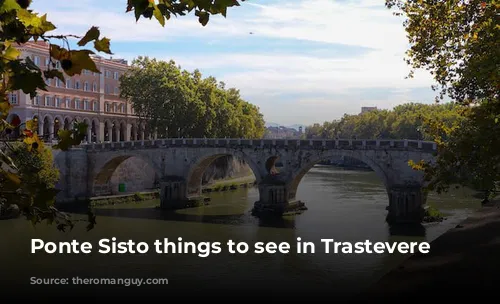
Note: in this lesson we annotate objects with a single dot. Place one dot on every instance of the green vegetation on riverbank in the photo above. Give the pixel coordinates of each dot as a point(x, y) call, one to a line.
point(123, 199)
point(432, 214)
point(218, 186)
point(230, 184)
point(405, 121)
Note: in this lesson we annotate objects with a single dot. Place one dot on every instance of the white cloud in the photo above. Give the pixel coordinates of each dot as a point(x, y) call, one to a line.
point(260, 76)
point(300, 74)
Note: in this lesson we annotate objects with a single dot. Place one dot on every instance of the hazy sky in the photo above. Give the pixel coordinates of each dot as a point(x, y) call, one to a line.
point(307, 60)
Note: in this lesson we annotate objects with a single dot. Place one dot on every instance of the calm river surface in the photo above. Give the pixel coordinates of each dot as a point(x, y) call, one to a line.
point(344, 205)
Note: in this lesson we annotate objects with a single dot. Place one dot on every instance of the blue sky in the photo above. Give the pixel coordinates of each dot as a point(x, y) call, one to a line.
point(307, 60)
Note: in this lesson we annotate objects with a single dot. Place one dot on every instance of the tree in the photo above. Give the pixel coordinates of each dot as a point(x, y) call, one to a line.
point(408, 121)
point(458, 41)
point(19, 24)
point(177, 103)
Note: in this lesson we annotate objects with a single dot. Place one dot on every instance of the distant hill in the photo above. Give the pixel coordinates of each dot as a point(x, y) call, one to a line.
point(295, 126)
point(271, 124)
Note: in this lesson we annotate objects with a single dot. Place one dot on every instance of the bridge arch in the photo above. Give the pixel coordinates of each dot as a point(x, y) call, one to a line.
point(140, 174)
point(360, 155)
point(197, 169)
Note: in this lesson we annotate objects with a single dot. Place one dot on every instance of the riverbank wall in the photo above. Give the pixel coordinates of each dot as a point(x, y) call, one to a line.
point(464, 258)
point(222, 185)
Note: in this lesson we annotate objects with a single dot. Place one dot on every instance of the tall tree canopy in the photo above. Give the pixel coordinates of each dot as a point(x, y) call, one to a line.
point(407, 121)
point(176, 103)
point(458, 41)
point(20, 24)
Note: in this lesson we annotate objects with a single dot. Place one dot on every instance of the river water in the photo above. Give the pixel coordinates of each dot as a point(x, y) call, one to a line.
point(344, 205)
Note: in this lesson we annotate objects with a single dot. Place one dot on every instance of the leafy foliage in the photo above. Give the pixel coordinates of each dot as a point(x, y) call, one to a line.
point(163, 10)
point(407, 121)
point(26, 178)
point(469, 156)
point(459, 43)
point(176, 103)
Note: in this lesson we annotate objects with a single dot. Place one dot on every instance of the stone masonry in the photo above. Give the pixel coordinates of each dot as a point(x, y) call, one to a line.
point(278, 166)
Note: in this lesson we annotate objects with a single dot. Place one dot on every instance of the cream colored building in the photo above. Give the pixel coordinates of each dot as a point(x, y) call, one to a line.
point(90, 97)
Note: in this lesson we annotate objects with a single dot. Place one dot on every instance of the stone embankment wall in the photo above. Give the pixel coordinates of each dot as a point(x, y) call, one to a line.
point(138, 176)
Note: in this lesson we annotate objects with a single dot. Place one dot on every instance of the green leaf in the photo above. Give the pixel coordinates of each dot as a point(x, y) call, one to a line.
point(9, 5)
point(80, 60)
point(203, 17)
point(53, 74)
point(138, 6)
point(5, 107)
point(30, 64)
point(92, 34)
point(25, 79)
point(35, 25)
point(222, 5)
point(159, 16)
point(103, 45)
point(81, 128)
point(10, 53)
point(65, 140)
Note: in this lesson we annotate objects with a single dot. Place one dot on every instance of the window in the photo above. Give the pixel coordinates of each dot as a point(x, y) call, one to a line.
point(67, 103)
point(36, 60)
point(86, 105)
point(68, 83)
point(115, 75)
point(106, 89)
point(96, 106)
point(58, 102)
point(47, 101)
point(107, 73)
point(58, 65)
point(114, 108)
point(13, 98)
point(106, 107)
point(36, 100)
point(77, 85)
point(48, 81)
point(86, 86)
point(57, 82)
point(77, 103)
point(94, 87)
point(47, 61)
point(117, 91)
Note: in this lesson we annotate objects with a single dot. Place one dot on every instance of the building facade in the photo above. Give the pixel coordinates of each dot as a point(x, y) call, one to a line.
point(368, 109)
point(91, 97)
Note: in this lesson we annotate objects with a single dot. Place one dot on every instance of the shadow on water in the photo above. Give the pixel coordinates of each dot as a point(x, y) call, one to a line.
point(153, 213)
point(417, 230)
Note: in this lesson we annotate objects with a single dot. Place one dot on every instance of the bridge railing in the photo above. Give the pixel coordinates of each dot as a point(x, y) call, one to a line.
point(361, 144)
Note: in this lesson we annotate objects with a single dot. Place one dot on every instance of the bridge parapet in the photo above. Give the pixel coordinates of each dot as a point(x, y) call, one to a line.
point(308, 144)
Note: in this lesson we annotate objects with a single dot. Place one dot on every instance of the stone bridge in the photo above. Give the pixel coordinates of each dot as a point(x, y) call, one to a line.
point(278, 165)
